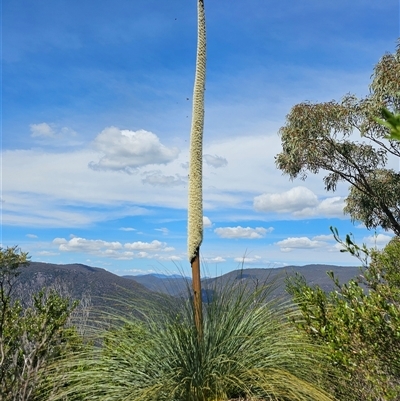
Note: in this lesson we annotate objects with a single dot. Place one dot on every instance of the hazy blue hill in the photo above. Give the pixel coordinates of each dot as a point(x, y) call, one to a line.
point(172, 285)
point(106, 289)
point(314, 274)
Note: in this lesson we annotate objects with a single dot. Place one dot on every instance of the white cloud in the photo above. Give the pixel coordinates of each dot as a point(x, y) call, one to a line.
point(47, 253)
point(293, 200)
point(139, 271)
point(215, 161)
point(242, 232)
point(77, 244)
point(301, 202)
point(291, 243)
point(127, 229)
point(146, 246)
point(217, 259)
point(59, 241)
point(206, 222)
point(31, 236)
point(47, 133)
point(47, 193)
point(163, 230)
point(248, 259)
point(170, 258)
point(42, 130)
point(323, 237)
point(329, 207)
point(156, 178)
point(114, 250)
point(126, 150)
point(379, 240)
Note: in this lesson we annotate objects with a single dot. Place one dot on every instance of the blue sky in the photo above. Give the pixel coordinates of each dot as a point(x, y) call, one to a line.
point(96, 112)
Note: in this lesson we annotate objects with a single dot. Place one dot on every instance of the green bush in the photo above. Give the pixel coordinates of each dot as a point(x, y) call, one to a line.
point(30, 337)
point(360, 323)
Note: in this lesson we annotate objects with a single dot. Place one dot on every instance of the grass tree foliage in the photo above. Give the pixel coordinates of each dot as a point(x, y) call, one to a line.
point(319, 136)
point(359, 322)
point(30, 336)
point(249, 350)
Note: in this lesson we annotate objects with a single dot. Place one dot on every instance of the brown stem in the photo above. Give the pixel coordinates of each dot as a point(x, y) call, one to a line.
point(197, 301)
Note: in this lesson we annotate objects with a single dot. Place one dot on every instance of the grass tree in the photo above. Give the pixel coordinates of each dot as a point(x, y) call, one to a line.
point(249, 350)
point(238, 346)
point(195, 203)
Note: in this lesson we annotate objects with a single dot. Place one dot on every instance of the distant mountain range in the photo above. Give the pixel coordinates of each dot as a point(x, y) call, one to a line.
point(78, 281)
point(103, 288)
point(315, 274)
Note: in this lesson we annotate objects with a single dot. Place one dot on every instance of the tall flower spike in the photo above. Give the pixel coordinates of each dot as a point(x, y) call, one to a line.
point(195, 204)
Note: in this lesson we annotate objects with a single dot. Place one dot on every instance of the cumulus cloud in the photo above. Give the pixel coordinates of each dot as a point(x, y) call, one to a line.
point(78, 244)
point(45, 131)
point(215, 161)
point(291, 243)
point(242, 232)
point(156, 178)
point(379, 240)
point(332, 207)
point(295, 199)
point(206, 222)
point(114, 250)
point(146, 246)
point(126, 151)
point(42, 130)
point(301, 202)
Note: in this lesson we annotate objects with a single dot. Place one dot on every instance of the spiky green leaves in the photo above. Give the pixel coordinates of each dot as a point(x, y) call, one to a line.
point(249, 350)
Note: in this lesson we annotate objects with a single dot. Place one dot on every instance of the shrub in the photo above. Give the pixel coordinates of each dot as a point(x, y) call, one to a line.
point(30, 337)
point(360, 323)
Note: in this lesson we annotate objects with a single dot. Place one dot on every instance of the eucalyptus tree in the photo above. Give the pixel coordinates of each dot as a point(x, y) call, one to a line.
point(323, 136)
point(195, 204)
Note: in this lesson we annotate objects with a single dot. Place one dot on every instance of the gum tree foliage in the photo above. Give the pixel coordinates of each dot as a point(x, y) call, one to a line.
point(359, 322)
point(30, 337)
point(391, 121)
point(324, 136)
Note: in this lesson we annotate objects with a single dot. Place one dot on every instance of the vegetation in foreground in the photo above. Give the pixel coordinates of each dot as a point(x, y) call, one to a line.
point(346, 341)
point(248, 348)
point(32, 335)
point(359, 322)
